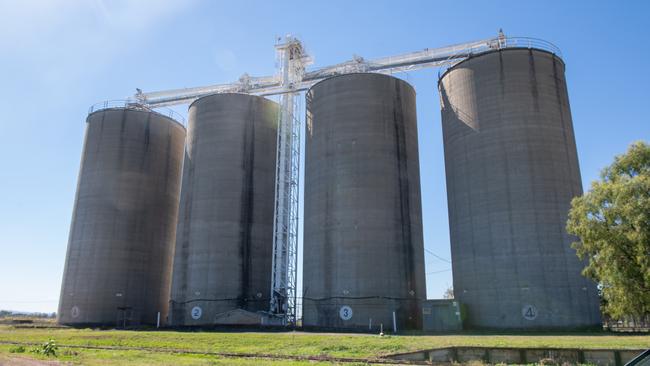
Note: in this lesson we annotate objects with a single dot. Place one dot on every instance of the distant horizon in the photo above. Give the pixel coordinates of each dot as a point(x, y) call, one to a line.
point(20, 312)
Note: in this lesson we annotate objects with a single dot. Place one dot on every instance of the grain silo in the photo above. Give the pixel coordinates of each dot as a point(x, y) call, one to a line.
point(512, 170)
point(363, 250)
point(118, 264)
point(225, 231)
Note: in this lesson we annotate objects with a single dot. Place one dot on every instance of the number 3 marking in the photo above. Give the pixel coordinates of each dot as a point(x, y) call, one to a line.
point(345, 312)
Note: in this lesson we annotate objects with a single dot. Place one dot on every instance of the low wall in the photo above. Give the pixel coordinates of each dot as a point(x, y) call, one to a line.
point(495, 355)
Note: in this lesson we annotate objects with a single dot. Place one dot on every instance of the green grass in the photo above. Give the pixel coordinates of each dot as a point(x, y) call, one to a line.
point(280, 344)
point(142, 358)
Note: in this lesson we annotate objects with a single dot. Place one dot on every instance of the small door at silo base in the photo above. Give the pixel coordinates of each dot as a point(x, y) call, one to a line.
point(441, 315)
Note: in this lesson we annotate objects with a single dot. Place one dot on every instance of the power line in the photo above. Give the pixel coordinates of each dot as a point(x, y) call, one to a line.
point(437, 256)
point(440, 271)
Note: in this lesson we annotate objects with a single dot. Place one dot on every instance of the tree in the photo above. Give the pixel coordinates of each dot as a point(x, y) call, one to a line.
point(449, 293)
point(612, 222)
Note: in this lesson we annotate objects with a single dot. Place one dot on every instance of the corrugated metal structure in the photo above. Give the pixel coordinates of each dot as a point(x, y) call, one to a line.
point(442, 315)
point(118, 264)
point(512, 170)
point(363, 250)
point(225, 230)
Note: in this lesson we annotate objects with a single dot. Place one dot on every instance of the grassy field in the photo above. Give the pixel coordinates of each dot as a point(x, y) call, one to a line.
point(238, 348)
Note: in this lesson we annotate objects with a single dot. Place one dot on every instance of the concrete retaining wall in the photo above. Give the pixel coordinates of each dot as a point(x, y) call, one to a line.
point(601, 357)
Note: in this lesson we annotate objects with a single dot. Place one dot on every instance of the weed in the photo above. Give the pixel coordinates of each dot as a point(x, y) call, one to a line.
point(48, 349)
point(17, 349)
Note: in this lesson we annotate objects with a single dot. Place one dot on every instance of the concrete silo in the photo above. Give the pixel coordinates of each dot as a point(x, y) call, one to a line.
point(225, 231)
point(363, 249)
point(512, 170)
point(118, 263)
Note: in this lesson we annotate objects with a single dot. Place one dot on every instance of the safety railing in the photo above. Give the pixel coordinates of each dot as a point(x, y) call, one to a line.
point(131, 104)
point(498, 44)
point(528, 42)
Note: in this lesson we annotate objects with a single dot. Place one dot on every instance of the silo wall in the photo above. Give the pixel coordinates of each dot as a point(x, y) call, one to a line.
point(118, 263)
point(363, 246)
point(225, 230)
point(512, 170)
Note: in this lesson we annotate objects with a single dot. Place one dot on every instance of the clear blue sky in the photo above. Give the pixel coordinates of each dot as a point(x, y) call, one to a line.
point(57, 57)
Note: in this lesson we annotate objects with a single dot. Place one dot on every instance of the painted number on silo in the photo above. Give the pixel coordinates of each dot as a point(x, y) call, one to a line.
point(345, 312)
point(74, 312)
point(196, 313)
point(529, 312)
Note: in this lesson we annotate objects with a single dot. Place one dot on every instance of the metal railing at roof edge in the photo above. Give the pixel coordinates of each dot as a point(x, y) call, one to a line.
point(135, 105)
point(529, 42)
point(503, 43)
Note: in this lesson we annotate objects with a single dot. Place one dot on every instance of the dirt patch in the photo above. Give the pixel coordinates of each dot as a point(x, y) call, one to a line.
point(25, 361)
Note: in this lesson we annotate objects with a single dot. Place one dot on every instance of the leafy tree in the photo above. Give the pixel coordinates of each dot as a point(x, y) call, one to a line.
point(612, 221)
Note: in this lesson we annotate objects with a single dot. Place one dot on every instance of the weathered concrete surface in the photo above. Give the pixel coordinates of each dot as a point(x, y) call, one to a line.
point(238, 317)
point(512, 170)
point(363, 227)
point(505, 355)
point(599, 357)
point(225, 229)
point(124, 221)
point(558, 356)
point(465, 355)
point(501, 355)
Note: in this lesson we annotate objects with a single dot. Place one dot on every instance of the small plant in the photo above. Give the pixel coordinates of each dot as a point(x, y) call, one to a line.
point(48, 349)
point(17, 349)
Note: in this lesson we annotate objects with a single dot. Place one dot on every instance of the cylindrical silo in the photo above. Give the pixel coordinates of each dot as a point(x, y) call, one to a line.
point(512, 170)
point(118, 264)
point(363, 249)
point(225, 230)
